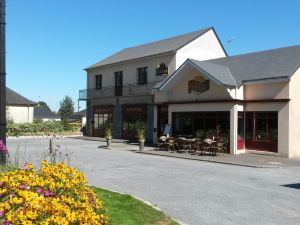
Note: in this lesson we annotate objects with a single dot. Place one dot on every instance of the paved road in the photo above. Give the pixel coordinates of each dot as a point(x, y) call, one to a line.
point(192, 191)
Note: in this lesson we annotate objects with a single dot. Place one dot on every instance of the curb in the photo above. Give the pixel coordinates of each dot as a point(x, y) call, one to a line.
point(50, 136)
point(145, 202)
point(212, 161)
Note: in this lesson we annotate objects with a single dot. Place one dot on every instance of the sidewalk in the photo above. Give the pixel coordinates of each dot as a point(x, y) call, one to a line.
point(245, 159)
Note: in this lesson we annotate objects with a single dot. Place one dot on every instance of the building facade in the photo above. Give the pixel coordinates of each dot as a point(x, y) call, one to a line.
point(196, 89)
point(119, 88)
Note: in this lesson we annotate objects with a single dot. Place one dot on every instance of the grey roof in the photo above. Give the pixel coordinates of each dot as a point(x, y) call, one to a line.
point(78, 115)
point(219, 73)
point(158, 47)
point(274, 64)
point(15, 99)
point(280, 63)
point(44, 112)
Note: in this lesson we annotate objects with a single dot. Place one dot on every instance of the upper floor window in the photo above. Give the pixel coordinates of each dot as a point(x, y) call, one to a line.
point(162, 69)
point(98, 81)
point(142, 75)
point(119, 79)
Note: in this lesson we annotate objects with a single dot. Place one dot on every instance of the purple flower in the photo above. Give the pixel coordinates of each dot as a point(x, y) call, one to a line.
point(39, 191)
point(3, 148)
point(22, 187)
point(6, 222)
point(1, 183)
point(49, 193)
point(25, 167)
point(1, 213)
point(12, 195)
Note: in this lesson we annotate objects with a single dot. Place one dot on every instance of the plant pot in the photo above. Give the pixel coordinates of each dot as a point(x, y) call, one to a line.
point(141, 144)
point(108, 142)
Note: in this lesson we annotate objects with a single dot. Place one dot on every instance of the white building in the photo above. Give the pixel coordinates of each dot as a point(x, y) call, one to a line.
point(19, 108)
point(191, 84)
point(119, 88)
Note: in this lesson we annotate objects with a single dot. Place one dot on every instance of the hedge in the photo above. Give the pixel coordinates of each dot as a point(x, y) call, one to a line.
point(39, 129)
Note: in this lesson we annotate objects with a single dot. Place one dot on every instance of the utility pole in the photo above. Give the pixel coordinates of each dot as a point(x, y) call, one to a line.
point(2, 79)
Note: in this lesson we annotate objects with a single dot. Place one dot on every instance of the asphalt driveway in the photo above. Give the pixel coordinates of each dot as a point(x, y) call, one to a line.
point(194, 192)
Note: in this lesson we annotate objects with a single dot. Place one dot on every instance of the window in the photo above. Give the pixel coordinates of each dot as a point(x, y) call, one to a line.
point(101, 120)
point(262, 126)
point(142, 75)
point(119, 79)
point(162, 69)
point(119, 83)
point(98, 79)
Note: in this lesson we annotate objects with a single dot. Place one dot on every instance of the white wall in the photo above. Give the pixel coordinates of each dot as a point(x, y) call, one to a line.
point(21, 114)
point(205, 47)
point(130, 70)
point(178, 88)
point(278, 90)
point(294, 115)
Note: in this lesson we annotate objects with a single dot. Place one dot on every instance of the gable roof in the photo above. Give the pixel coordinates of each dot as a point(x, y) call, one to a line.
point(15, 99)
point(44, 112)
point(168, 45)
point(273, 65)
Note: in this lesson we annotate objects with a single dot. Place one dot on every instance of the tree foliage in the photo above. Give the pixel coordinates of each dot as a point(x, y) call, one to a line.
point(66, 108)
point(43, 104)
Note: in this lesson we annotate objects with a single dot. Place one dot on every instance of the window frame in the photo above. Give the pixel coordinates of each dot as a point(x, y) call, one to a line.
point(98, 82)
point(142, 75)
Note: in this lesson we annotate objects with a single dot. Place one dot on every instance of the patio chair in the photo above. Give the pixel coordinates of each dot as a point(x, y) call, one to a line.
point(221, 147)
point(170, 144)
point(196, 147)
point(207, 146)
point(182, 145)
point(161, 142)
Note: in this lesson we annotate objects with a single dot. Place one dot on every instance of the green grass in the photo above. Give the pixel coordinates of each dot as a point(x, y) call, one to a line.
point(126, 210)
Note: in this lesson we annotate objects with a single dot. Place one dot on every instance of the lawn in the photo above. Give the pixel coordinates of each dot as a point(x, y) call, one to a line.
point(126, 210)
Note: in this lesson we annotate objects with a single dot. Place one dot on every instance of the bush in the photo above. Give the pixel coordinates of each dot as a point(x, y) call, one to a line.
point(56, 194)
point(38, 128)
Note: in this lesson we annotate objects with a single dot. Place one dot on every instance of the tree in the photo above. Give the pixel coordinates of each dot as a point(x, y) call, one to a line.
point(66, 108)
point(43, 104)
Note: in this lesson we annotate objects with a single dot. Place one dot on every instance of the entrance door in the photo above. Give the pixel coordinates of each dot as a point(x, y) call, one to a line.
point(261, 131)
point(134, 116)
point(162, 119)
point(102, 116)
point(119, 83)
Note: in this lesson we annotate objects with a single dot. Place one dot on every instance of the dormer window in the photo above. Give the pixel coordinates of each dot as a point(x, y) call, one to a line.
point(162, 69)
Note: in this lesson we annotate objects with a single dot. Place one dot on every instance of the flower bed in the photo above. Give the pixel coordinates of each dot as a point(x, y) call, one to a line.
point(55, 194)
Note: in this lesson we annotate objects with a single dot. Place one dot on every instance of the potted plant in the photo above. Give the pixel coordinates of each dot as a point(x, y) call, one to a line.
point(108, 134)
point(141, 134)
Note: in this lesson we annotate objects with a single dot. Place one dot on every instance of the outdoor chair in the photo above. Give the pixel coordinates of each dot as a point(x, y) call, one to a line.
point(182, 145)
point(221, 147)
point(208, 146)
point(196, 147)
point(170, 144)
point(161, 142)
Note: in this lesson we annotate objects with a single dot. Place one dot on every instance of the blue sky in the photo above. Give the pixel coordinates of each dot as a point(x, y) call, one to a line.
point(50, 42)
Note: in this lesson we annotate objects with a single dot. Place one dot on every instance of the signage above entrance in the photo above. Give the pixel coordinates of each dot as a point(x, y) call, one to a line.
point(197, 87)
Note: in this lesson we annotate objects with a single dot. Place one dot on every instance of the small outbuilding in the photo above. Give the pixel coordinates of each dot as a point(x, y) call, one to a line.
point(19, 108)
